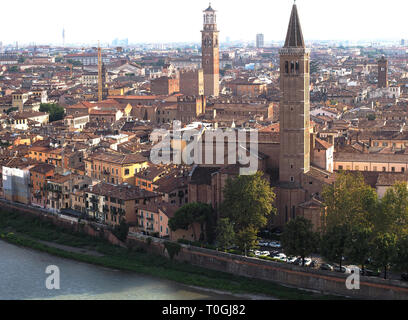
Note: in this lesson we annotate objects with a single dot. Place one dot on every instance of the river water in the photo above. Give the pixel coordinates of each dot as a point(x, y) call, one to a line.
point(22, 276)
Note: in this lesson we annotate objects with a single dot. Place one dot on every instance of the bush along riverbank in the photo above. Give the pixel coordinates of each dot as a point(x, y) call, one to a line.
point(26, 230)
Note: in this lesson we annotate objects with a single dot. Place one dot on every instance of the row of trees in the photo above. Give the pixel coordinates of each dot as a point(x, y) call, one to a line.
point(358, 226)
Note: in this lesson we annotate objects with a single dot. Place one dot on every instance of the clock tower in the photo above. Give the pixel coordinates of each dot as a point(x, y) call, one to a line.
point(210, 53)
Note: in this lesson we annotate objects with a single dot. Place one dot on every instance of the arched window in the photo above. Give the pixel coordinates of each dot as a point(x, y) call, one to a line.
point(292, 67)
point(286, 67)
point(297, 66)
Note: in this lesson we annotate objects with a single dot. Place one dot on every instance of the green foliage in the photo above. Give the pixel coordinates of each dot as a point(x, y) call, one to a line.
point(248, 200)
point(358, 245)
point(333, 243)
point(384, 250)
point(55, 111)
point(9, 110)
point(172, 248)
point(191, 213)
point(246, 239)
point(75, 63)
point(13, 69)
point(298, 238)
point(225, 233)
point(350, 201)
point(371, 117)
point(401, 254)
point(248, 203)
point(121, 230)
point(393, 214)
point(21, 59)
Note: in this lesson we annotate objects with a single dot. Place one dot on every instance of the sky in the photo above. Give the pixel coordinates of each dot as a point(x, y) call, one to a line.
point(159, 21)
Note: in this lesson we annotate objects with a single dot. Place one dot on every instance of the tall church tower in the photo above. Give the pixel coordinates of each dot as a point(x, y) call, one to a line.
point(383, 73)
point(294, 111)
point(210, 53)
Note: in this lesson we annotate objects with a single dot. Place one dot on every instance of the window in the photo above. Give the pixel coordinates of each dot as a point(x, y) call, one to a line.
point(402, 169)
point(292, 179)
point(384, 169)
point(297, 66)
point(393, 169)
point(286, 67)
point(340, 167)
point(126, 172)
point(292, 67)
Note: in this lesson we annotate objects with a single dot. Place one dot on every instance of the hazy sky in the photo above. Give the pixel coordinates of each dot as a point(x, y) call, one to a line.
point(41, 21)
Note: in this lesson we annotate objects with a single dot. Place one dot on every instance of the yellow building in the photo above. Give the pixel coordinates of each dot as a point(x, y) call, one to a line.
point(115, 168)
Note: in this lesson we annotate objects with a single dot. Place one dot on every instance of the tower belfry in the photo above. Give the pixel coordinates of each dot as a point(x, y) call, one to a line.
point(294, 105)
point(210, 53)
point(101, 76)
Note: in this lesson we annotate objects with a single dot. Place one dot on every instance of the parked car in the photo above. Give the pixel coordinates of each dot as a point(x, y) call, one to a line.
point(343, 269)
point(275, 244)
point(308, 261)
point(263, 243)
point(326, 266)
point(281, 256)
point(291, 259)
point(265, 253)
point(314, 264)
point(371, 273)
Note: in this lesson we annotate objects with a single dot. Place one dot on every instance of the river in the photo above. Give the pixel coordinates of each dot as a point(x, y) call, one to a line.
point(22, 277)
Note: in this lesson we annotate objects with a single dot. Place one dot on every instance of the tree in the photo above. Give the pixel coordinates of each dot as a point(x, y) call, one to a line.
point(393, 214)
point(246, 238)
point(13, 69)
point(384, 250)
point(55, 111)
point(248, 201)
point(358, 245)
point(75, 63)
point(21, 59)
point(333, 243)
point(401, 254)
point(298, 238)
point(121, 230)
point(189, 214)
point(9, 110)
point(349, 201)
point(225, 233)
point(371, 117)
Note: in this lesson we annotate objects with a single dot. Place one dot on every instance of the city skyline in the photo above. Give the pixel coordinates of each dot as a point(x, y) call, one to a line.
point(242, 21)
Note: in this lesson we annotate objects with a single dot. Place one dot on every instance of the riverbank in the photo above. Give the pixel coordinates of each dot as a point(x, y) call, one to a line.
point(25, 230)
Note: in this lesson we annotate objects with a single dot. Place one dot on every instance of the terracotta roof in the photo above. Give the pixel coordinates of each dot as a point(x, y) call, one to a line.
point(123, 191)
